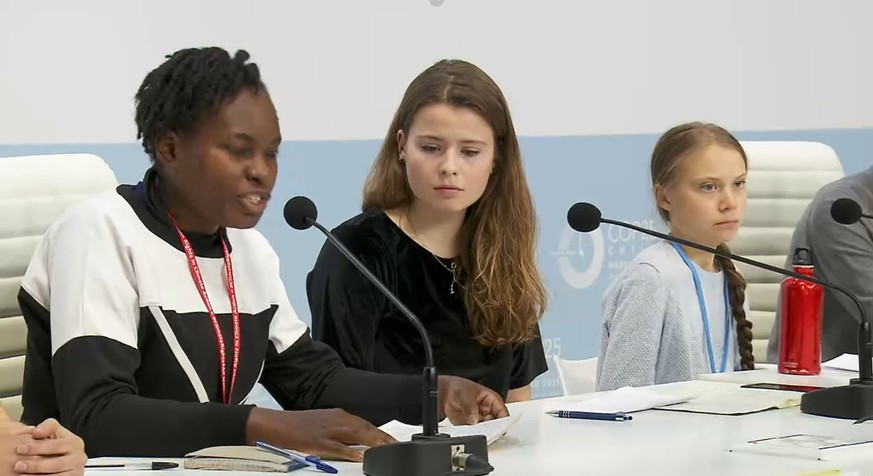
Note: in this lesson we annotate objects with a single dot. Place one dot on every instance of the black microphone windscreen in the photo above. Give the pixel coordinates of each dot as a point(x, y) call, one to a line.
point(583, 217)
point(299, 211)
point(846, 211)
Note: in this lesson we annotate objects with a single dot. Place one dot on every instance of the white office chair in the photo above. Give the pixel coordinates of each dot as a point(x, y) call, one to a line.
point(575, 376)
point(783, 178)
point(34, 191)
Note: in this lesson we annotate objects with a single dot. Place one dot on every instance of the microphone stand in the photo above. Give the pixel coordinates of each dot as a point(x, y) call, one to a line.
point(853, 401)
point(429, 453)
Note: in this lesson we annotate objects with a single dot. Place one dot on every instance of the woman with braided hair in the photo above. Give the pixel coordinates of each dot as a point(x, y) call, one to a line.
point(676, 312)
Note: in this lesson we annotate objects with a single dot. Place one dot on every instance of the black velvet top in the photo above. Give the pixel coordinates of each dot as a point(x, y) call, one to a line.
point(369, 332)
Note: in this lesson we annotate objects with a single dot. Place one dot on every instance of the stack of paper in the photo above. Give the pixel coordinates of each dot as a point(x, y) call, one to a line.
point(696, 396)
point(492, 430)
point(627, 400)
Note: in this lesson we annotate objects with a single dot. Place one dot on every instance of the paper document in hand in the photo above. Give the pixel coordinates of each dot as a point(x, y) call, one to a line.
point(492, 430)
point(847, 362)
point(723, 398)
point(626, 400)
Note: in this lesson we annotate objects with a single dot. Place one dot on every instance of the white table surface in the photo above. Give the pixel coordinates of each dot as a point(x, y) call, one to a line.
point(655, 443)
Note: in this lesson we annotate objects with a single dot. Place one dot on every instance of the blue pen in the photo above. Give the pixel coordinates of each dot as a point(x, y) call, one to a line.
point(591, 415)
point(309, 460)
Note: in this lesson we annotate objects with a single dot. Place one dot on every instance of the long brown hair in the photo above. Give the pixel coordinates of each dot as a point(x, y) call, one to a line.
point(503, 293)
point(676, 144)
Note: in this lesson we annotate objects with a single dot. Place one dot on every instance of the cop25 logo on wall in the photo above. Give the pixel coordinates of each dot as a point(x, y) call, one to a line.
point(580, 256)
point(584, 257)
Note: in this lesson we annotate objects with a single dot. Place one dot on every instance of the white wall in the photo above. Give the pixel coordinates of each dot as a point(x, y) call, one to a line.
point(337, 68)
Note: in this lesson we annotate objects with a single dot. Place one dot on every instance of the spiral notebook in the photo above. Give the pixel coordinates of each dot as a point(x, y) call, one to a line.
point(240, 458)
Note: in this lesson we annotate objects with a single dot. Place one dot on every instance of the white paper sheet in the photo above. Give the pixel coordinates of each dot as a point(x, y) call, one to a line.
point(848, 362)
point(626, 400)
point(492, 430)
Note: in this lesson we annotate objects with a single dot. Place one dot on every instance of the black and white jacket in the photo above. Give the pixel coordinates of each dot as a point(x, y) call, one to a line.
point(122, 351)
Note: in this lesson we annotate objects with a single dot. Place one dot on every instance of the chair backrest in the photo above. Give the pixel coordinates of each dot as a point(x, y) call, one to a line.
point(34, 191)
point(782, 180)
point(575, 376)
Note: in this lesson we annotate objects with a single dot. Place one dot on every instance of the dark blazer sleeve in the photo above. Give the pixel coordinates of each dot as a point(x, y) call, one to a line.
point(310, 375)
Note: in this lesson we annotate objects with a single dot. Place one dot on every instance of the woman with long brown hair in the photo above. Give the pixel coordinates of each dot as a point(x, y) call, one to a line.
point(669, 316)
point(449, 225)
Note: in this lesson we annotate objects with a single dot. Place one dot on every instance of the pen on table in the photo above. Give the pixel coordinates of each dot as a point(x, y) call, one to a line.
point(153, 466)
point(590, 415)
point(308, 460)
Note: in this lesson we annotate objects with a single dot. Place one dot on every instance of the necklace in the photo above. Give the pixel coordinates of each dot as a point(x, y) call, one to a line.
point(451, 269)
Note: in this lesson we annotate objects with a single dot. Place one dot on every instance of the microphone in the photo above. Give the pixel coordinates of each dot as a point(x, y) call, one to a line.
point(847, 211)
point(852, 401)
point(430, 452)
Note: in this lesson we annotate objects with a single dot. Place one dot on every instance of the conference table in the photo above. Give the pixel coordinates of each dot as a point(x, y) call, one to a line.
point(656, 442)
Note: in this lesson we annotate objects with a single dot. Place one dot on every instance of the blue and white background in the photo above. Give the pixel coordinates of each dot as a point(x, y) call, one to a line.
point(591, 84)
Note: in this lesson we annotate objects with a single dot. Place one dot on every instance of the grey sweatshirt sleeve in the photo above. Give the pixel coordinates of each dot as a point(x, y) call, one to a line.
point(844, 254)
point(633, 318)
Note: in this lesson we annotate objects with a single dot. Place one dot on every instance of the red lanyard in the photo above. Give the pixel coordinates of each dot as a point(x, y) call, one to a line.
point(226, 394)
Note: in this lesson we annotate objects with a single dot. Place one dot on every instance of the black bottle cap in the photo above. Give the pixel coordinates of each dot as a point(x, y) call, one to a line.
point(802, 257)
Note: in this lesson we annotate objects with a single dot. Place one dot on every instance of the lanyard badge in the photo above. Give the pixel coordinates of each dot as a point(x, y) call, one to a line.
point(703, 314)
point(226, 391)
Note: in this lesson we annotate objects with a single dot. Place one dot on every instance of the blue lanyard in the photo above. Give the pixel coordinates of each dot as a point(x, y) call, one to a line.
point(703, 314)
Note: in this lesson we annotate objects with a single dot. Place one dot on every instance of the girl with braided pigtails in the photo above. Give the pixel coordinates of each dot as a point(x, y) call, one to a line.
point(676, 312)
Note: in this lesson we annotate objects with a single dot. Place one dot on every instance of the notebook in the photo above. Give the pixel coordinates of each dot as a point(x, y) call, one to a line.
point(492, 430)
point(240, 458)
point(723, 398)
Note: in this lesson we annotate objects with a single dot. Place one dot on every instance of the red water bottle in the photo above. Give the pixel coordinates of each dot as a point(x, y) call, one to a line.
point(800, 320)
